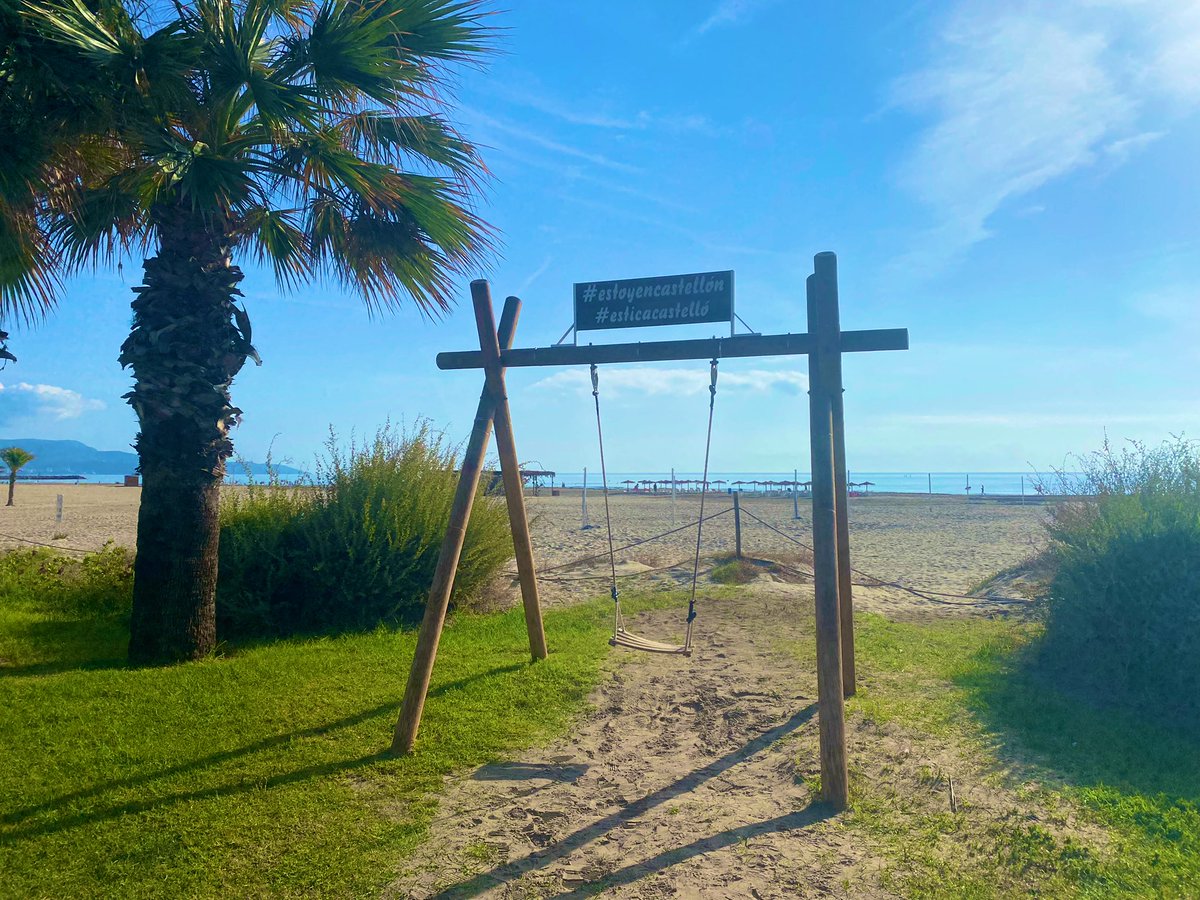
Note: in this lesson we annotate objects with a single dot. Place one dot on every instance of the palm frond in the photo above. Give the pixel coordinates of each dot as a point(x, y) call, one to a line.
point(445, 30)
point(424, 140)
point(28, 270)
point(71, 22)
point(275, 237)
point(348, 53)
point(99, 223)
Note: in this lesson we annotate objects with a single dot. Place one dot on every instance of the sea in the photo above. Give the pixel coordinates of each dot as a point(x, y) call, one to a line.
point(959, 483)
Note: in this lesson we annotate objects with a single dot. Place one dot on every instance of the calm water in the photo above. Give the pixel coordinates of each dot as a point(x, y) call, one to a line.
point(999, 483)
point(119, 478)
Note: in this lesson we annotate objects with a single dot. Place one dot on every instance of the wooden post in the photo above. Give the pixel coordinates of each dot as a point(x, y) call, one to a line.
point(795, 493)
point(835, 788)
point(737, 525)
point(829, 321)
point(405, 736)
point(672, 496)
point(510, 468)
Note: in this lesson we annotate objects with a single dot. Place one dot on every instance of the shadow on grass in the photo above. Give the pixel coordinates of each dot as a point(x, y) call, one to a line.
point(1077, 743)
point(509, 871)
point(70, 645)
point(66, 801)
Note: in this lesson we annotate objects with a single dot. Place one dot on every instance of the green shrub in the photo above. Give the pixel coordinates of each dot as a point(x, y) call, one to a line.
point(58, 612)
point(1123, 621)
point(100, 585)
point(355, 548)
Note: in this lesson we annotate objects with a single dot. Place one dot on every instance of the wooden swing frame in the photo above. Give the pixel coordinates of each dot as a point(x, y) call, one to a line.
point(824, 344)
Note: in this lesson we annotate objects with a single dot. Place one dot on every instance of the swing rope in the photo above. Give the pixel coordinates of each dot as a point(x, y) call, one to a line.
point(618, 625)
point(712, 402)
point(621, 637)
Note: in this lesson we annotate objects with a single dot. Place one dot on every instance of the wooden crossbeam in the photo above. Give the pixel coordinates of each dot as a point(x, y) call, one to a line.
point(741, 345)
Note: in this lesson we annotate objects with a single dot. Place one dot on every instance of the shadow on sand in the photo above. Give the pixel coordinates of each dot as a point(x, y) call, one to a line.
point(634, 871)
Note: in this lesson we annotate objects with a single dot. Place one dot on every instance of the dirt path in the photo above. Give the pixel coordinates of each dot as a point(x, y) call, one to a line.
point(683, 781)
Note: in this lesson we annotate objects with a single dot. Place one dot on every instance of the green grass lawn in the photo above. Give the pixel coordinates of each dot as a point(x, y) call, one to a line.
point(261, 773)
point(968, 685)
point(264, 771)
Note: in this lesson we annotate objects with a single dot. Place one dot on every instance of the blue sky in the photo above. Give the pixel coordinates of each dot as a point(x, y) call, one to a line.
point(1016, 183)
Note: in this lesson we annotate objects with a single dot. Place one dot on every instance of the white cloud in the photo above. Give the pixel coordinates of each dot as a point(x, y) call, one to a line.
point(539, 140)
point(23, 400)
point(729, 12)
point(533, 276)
point(594, 113)
point(1121, 150)
point(1173, 46)
point(1021, 94)
point(653, 381)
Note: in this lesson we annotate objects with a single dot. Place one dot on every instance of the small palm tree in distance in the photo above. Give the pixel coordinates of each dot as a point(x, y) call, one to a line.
point(15, 458)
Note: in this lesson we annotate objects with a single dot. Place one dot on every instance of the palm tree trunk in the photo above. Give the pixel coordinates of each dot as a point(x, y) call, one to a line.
point(12, 484)
point(184, 351)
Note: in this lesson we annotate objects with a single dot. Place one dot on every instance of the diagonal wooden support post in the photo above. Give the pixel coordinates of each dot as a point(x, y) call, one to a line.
point(510, 468)
point(405, 736)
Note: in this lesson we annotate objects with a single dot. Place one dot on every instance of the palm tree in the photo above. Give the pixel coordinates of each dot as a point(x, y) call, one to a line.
point(50, 112)
point(15, 458)
point(310, 135)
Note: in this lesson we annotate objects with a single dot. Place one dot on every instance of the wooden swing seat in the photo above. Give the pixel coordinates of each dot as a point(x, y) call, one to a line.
point(633, 641)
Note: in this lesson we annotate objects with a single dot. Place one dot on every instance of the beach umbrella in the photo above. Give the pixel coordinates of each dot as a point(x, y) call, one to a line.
point(868, 484)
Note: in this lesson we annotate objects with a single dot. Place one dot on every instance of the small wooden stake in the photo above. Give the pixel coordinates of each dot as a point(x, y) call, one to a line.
point(405, 736)
point(510, 467)
point(737, 525)
point(835, 777)
point(829, 321)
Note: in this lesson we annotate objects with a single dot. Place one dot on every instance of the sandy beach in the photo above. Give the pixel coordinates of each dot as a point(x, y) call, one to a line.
point(944, 543)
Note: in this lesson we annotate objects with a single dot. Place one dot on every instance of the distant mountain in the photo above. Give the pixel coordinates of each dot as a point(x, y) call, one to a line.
point(76, 458)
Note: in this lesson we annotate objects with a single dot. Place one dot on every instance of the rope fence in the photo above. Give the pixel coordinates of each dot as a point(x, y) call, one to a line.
point(928, 594)
point(13, 537)
point(924, 593)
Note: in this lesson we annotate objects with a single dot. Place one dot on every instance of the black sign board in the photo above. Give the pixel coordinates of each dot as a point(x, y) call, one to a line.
point(663, 300)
